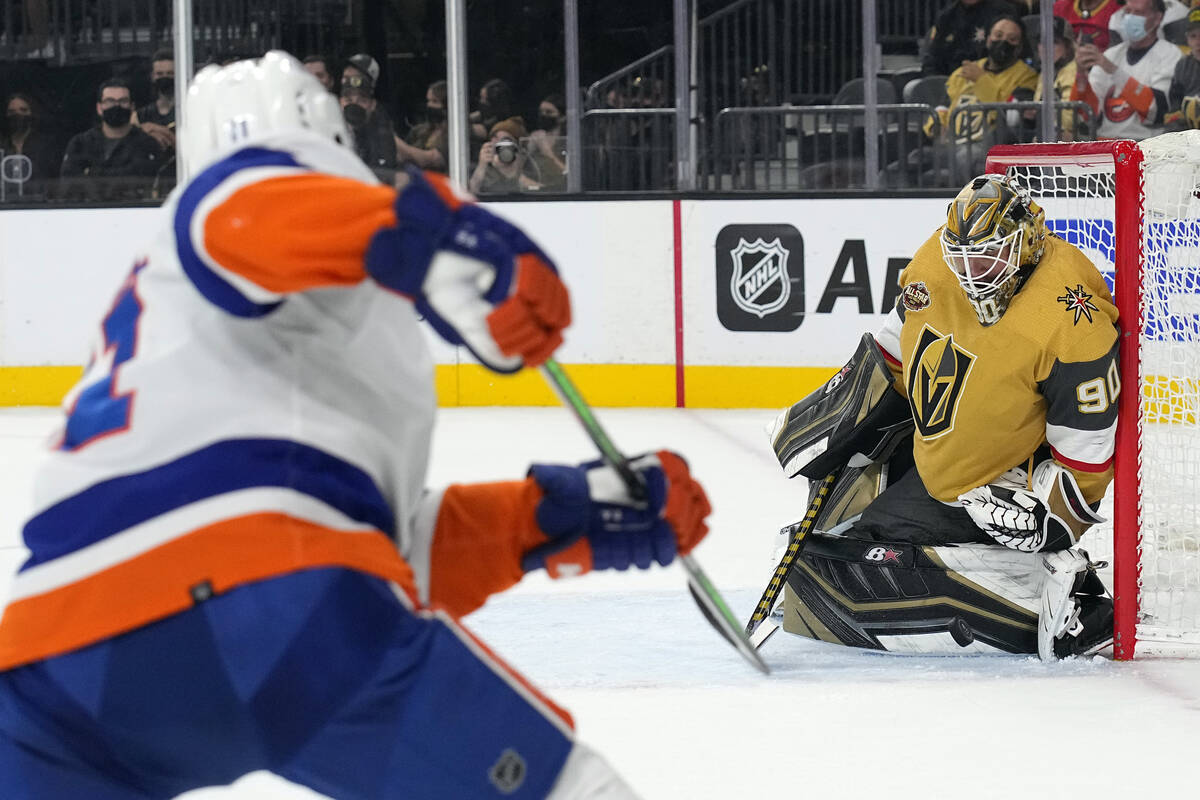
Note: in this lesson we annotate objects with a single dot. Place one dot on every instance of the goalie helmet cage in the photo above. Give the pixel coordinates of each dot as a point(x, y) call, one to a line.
point(1134, 209)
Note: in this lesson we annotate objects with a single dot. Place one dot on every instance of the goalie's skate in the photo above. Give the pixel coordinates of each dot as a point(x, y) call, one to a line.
point(1076, 613)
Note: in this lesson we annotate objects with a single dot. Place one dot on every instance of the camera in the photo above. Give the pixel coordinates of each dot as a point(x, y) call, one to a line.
point(506, 151)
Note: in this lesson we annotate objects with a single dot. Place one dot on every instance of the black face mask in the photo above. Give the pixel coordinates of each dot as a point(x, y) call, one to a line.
point(547, 122)
point(19, 123)
point(486, 110)
point(1002, 53)
point(356, 115)
point(165, 86)
point(435, 115)
point(116, 116)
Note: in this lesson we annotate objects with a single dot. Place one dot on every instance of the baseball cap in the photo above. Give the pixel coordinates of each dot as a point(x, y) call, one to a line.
point(1193, 18)
point(366, 65)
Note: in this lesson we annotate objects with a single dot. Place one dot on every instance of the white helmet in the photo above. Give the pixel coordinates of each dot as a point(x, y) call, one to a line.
point(230, 107)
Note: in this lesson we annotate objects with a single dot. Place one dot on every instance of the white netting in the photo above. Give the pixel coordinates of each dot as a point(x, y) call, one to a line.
point(1080, 206)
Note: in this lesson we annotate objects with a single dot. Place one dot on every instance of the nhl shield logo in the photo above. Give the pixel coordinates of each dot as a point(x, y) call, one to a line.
point(760, 284)
point(759, 272)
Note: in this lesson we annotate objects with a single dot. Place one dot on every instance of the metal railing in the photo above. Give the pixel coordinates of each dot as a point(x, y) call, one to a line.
point(810, 147)
point(647, 79)
point(629, 149)
point(974, 128)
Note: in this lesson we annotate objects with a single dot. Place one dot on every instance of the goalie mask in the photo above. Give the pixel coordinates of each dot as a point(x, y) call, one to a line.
point(994, 235)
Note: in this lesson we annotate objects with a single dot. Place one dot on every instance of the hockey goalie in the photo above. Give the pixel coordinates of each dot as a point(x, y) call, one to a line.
point(968, 444)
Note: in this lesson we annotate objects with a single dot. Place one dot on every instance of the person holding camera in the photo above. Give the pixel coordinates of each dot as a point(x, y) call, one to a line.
point(502, 161)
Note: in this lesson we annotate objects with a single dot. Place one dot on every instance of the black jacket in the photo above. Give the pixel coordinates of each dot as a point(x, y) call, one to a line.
point(126, 173)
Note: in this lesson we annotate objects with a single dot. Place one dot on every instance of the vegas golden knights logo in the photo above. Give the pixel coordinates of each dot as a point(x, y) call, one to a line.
point(937, 375)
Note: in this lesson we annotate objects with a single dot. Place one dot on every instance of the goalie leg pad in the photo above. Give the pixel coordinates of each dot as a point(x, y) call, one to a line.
point(906, 598)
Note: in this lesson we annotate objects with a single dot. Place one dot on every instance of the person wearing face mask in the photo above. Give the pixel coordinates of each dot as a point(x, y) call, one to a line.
point(115, 160)
point(548, 144)
point(1127, 84)
point(992, 79)
point(1173, 11)
point(495, 104)
point(22, 135)
point(374, 139)
point(157, 118)
point(427, 145)
point(959, 33)
point(1064, 78)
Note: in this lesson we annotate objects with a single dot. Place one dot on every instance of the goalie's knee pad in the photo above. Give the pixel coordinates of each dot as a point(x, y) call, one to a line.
point(911, 599)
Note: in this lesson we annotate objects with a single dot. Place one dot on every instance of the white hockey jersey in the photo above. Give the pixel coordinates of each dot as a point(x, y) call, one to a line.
point(1132, 100)
point(254, 406)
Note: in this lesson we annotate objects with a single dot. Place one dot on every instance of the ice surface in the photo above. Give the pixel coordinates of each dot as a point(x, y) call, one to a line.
point(681, 716)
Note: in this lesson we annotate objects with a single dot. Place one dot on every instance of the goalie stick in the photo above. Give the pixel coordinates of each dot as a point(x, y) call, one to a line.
point(706, 595)
point(778, 578)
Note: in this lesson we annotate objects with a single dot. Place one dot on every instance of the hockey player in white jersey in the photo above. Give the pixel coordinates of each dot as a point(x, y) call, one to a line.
point(235, 564)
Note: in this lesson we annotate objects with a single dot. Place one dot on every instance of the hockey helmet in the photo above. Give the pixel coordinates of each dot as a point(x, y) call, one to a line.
point(229, 107)
point(994, 235)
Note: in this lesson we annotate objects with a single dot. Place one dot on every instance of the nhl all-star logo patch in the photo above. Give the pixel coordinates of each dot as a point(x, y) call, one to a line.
point(1079, 301)
point(915, 296)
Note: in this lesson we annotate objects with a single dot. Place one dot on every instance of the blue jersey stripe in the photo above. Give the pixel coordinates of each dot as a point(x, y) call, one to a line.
point(114, 505)
point(216, 289)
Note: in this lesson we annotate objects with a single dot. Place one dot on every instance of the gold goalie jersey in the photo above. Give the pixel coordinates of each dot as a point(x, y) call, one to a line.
point(986, 398)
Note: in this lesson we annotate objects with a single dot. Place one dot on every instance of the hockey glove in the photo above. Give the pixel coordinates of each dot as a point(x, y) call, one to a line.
point(478, 280)
point(1051, 515)
point(593, 523)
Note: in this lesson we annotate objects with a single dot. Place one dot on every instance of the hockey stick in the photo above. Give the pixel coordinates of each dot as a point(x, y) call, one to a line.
point(767, 602)
point(706, 595)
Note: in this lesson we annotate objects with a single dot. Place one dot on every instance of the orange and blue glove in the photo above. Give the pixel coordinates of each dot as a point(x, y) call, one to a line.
point(477, 279)
point(593, 522)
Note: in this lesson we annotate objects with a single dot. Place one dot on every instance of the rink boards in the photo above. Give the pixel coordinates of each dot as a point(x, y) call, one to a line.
point(700, 303)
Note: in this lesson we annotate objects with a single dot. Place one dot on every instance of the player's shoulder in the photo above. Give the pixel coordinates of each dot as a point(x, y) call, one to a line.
point(1066, 300)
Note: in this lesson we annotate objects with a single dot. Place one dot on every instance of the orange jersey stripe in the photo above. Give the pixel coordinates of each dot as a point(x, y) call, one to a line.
point(1139, 96)
point(158, 583)
point(297, 232)
point(482, 531)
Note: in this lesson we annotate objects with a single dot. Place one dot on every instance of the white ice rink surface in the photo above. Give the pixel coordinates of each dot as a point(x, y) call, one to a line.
point(677, 712)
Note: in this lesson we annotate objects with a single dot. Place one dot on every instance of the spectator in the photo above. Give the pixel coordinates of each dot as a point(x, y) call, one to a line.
point(502, 161)
point(1064, 79)
point(374, 139)
point(362, 65)
point(115, 160)
point(992, 79)
point(1173, 11)
point(959, 34)
point(495, 104)
point(157, 118)
point(428, 143)
point(317, 65)
point(1128, 83)
point(1183, 96)
point(1088, 18)
point(548, 144)
point(25, 135)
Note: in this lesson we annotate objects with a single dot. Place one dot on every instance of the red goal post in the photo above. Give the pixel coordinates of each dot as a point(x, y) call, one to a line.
point(1131, 207)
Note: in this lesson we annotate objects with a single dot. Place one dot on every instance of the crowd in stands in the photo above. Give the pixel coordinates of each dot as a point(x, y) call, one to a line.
point(128, 154)
point(1120, 69)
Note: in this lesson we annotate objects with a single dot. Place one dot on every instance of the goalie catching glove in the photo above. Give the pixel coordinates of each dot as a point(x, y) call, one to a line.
point(594, 523)
point(477, 279)
point(1048, 514)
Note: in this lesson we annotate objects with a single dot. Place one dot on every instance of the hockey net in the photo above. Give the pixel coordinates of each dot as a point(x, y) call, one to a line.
point(1135, 210)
